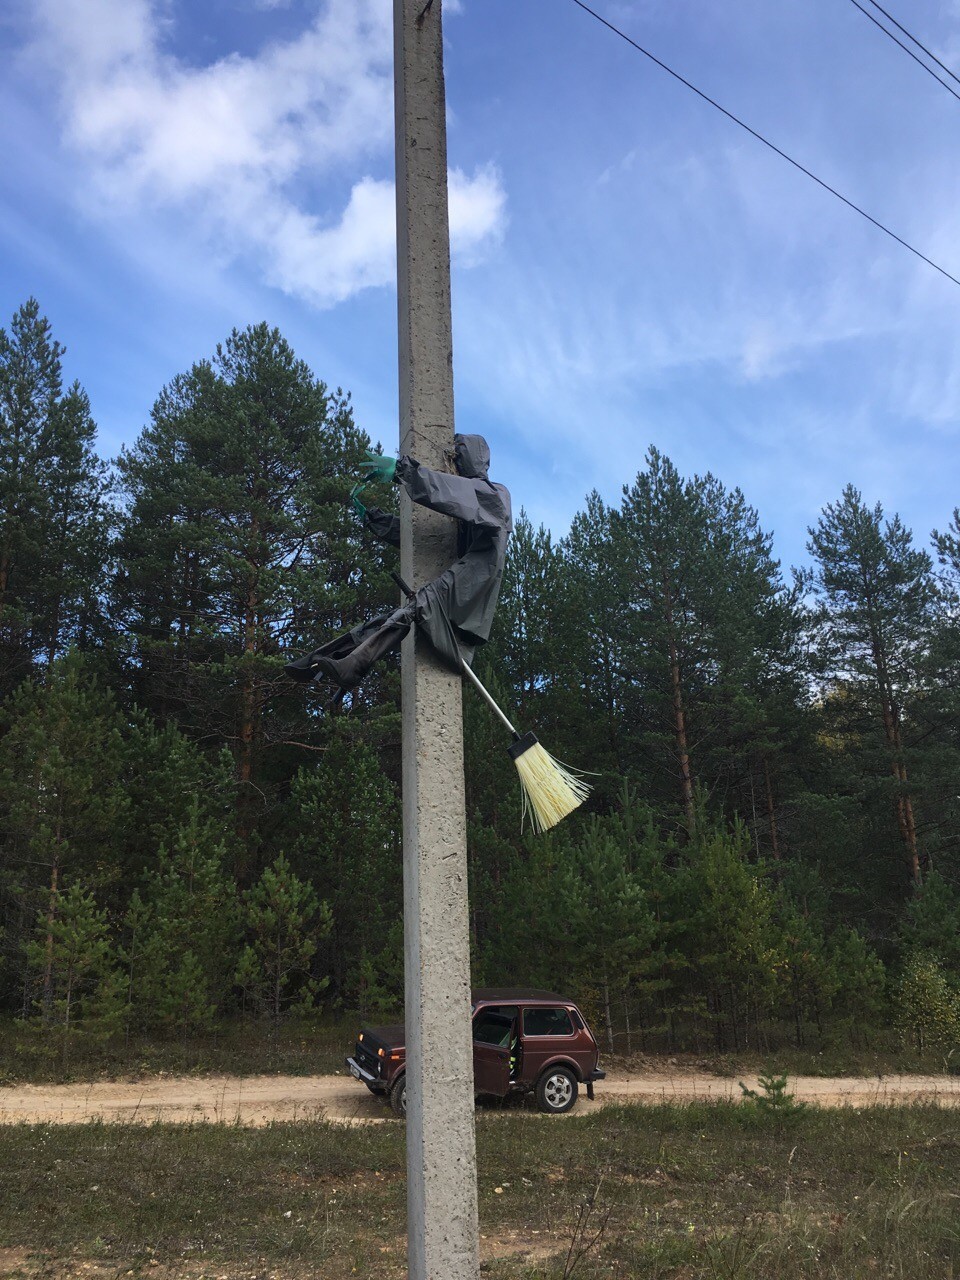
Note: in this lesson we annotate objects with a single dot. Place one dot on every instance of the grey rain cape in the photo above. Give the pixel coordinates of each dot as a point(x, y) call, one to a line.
point(455, 610)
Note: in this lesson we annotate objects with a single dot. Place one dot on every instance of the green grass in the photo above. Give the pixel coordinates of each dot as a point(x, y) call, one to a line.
point(839, 1054)
point(685, 1192)
point(318, 1047)
point(234, 1048)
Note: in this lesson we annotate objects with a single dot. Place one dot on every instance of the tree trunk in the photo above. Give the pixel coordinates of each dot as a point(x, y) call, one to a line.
point(904, 805)
point(277, 983)
point(53, 639)
point(68, 1008)
point(48, 945)
point(608, 1017)
point(679, 717)
point(771, 811)
point(891, 729)
point(248, 704)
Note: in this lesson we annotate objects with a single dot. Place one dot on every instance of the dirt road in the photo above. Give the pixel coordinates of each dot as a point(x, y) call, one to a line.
point(256, 1100)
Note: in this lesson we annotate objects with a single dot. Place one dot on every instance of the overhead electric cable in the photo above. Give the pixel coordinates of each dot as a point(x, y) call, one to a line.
point(932, 56)
point(766, 141)
point(906, 49)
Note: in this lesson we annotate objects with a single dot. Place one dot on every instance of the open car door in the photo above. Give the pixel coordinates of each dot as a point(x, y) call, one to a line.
point(494, 1038)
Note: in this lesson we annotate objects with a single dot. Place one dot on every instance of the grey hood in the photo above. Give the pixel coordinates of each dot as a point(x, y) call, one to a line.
point(471, 456)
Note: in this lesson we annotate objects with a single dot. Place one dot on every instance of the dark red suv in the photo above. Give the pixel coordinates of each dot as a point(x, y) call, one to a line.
point(524, 1041)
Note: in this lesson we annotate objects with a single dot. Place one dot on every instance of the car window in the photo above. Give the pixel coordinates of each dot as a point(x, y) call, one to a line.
point(547, 1022)
point(493, 1025)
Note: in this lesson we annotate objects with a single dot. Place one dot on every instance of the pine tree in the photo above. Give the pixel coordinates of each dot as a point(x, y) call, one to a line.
point(936, 711)
point(61, 794)
point(72, 954)
point(238, 550)
point(947, 547)
point(525, 634)
point(53, 503)
point(344, 835)
point(875, 593)
point(182, 933)
point(170, 784)
point(860, 982)
point(702, 631)
point(728, 932)
point(611, 923)
point(808, 978)
point(931, 923)
point(284, 922)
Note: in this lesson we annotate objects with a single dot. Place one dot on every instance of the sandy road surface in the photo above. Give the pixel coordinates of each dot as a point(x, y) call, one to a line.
point(256, 1100)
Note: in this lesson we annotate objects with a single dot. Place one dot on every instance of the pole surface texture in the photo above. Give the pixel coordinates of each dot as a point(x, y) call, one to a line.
point(441, 1145)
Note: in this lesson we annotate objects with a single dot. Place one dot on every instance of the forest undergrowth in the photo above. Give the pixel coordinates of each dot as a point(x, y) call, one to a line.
point(306, 1048)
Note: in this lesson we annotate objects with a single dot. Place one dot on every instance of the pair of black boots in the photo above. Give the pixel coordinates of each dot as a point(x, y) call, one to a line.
point(347, 659)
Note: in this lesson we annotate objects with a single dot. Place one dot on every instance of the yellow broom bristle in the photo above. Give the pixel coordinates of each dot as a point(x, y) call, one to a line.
point(550, 790)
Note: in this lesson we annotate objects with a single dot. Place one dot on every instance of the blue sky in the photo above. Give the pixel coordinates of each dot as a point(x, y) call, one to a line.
point(629, 267)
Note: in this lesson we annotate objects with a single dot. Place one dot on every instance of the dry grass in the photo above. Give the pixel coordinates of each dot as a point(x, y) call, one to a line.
point(240, 1048)
point(680, 1191)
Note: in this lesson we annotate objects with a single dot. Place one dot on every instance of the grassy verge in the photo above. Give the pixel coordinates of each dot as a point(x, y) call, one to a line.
point(315, 1048)
point(714, 1191)
point(234, 1048)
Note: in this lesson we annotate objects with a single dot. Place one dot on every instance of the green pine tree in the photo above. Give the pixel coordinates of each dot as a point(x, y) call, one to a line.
point(284, 922)
point(61, 795)
point(182, 934)
point(53, 503)
point(238, 550)
point(875, 593)
point(860, 984)
point(72, 954)
point(344, 835)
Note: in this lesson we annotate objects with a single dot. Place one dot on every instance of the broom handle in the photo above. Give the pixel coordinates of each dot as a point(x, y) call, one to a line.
point(467, 671)
point(487, 697)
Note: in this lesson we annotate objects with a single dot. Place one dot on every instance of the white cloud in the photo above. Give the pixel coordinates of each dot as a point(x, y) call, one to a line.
point(232, 143)
point(477, 210)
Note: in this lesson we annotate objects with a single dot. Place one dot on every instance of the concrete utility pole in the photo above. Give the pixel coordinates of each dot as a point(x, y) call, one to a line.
point(441, 1146)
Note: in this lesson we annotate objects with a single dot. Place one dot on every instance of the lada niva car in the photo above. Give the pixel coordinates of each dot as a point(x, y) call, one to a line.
point(524, 1041)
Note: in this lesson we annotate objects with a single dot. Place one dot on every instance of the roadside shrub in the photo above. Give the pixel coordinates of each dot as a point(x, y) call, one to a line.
point(928, 1007)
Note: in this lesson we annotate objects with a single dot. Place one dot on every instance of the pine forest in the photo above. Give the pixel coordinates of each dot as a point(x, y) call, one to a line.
point(189, 840)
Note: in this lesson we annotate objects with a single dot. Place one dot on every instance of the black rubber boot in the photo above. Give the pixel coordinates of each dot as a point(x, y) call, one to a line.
point(350, 669)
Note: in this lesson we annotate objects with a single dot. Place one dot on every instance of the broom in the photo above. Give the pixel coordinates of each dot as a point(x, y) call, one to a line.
point(550, 790)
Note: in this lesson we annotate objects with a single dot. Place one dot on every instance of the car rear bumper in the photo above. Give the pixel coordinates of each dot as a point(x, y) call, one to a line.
point(361, 1073)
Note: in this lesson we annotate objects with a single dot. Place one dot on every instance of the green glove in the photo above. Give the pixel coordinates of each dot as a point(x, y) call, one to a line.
point(358, 506)
point(378, 467)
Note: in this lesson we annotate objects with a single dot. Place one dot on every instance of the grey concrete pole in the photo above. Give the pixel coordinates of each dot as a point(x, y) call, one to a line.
point(441, 1149)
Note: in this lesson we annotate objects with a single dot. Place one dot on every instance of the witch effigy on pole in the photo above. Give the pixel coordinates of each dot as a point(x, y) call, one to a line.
point(452, 531)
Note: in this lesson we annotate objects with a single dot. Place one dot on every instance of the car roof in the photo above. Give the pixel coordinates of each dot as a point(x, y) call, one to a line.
point(527, 995)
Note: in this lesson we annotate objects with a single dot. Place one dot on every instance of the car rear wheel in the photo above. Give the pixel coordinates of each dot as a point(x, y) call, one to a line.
point(557, 1090)
point(398, 1095)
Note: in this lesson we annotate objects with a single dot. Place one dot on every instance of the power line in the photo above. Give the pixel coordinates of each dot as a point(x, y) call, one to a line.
point(766, 142)
point(906, 49)
point(932, 56)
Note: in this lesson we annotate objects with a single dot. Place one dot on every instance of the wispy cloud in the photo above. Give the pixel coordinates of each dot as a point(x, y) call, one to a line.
point(242, 146)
